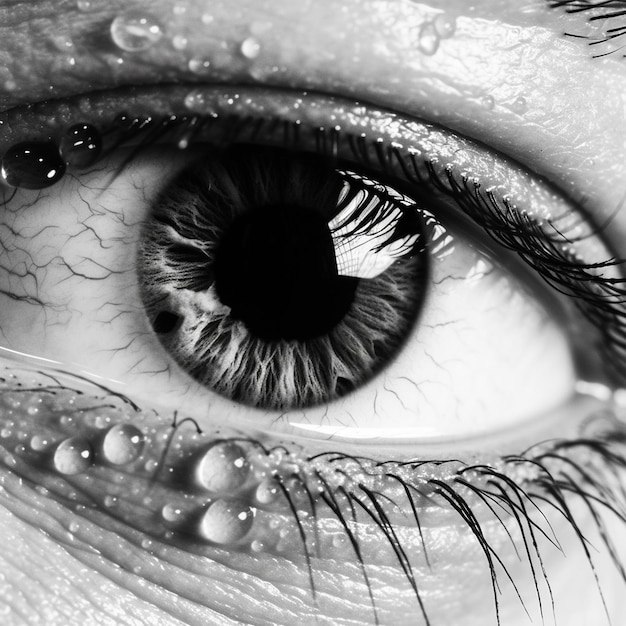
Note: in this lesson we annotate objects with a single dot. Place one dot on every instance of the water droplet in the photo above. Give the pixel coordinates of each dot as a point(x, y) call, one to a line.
point(224, 467)
point(199, 66)
point(32, 165)
point(122, 444)
point(445, 25)
point(146, 544)
point(519, 105)
point(39, 443)
point(251, 48)
point(74, 527)
point(72, 456)
point(84, 5)
point(81, 145)
point(110, 501)
point(428, 40)
point(179, 42)
point(226, 521)
point(267, 491)
point(5, 433)
point(135, 31)
point(257, 546)
point(171, 513)
point(179, 9)
point(488, 102)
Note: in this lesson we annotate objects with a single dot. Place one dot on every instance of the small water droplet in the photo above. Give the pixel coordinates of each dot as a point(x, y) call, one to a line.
point(32, 165)
point(5, 433)
point(72, 456)
point(171, 513)
point(84, 5)
point(488, 102)
point(223, 468)
point(207, 18)
point(267, 491)
point(74, 527)
point(226, 521)
point(39, 443)
point(519, 105)
point(146, 544)
point(179, 42)
point(122, 444)
point(251, 48)
point(428, 39)
point(135, 31)
point(199, 66)
point(110, 501)
point(257, 546)
point(445, 25)
point(179, 9)
point(81, 145)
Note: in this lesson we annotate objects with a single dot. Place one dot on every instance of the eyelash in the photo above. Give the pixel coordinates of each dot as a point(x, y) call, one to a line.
point(600, 298)
point(598, 10)
point(499, 486)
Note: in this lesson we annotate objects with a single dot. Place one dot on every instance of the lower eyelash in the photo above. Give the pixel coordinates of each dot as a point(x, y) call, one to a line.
point(515, 491)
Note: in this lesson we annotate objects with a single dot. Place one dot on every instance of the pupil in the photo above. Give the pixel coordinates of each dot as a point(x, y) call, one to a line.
point(275, 268)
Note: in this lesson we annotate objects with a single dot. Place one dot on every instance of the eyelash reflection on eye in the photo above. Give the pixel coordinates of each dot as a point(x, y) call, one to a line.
point(597, 11)
point(350, 489)
point(596, 289)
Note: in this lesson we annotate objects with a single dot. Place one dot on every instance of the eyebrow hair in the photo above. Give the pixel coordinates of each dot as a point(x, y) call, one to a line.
point(604, 43)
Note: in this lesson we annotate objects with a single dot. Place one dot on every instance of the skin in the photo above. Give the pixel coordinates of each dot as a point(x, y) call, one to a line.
point(567, 130)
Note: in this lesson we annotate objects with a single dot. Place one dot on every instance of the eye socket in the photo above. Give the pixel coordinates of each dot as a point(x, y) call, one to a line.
point(451, 390)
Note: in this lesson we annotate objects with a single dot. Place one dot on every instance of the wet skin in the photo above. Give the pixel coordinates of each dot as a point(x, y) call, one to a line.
point(555, 110)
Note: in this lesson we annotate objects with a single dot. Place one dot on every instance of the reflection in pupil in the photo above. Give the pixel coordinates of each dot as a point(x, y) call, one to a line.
point(276, 270)
point(276, 280)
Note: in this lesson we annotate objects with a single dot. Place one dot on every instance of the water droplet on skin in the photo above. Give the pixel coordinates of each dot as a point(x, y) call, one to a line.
point(171, 513)
point(251, 48)
point(81, 145)
point(110, 501)
point(223, 468)
point(428, 40)
point(146, 544)
point(519, 105)
point(5, 433)
point(226, 521)
point(267, 492)
point(488, 102)
point(445, 25)
point(257, 546)
point(179, 10)
point(73, 456)
point(32, 165)
point(179, 42)
point(135, 31)
point(39, 443)
point(84, 5)
point(207, 18)
point(122, 444)
point(74, 527)
point(199, 66)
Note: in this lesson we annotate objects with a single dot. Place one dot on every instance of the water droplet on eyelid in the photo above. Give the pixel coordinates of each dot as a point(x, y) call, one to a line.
point(84, 5)
point(32, 165)
point(81, 145)
point(226, 521)
point(519, 105)
point(122, 444)
point(135, 31)
point(207, 18)
point(488, 102)
point(250, 48)
point(199, 66)
point(428, 39)
point(445, 25)
point(72, 456)
point(39, 443)
point(224, 467)
point(171, 513)
point(179, 42)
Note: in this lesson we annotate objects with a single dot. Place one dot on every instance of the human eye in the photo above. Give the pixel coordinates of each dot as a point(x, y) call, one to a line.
point(146, 487)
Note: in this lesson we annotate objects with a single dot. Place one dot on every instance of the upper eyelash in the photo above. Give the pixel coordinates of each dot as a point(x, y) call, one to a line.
point(599, 295)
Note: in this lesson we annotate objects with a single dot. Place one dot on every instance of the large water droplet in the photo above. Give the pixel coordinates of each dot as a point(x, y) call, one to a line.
point(81, 145)
point(135, 31)
point(73, 456)
point(226, 521)
point(428, 39)
point(223, 468)
point(122, 444)
point(32, 165)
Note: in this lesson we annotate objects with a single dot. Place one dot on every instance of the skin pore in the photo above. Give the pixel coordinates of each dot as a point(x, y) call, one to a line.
point(505, 77)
